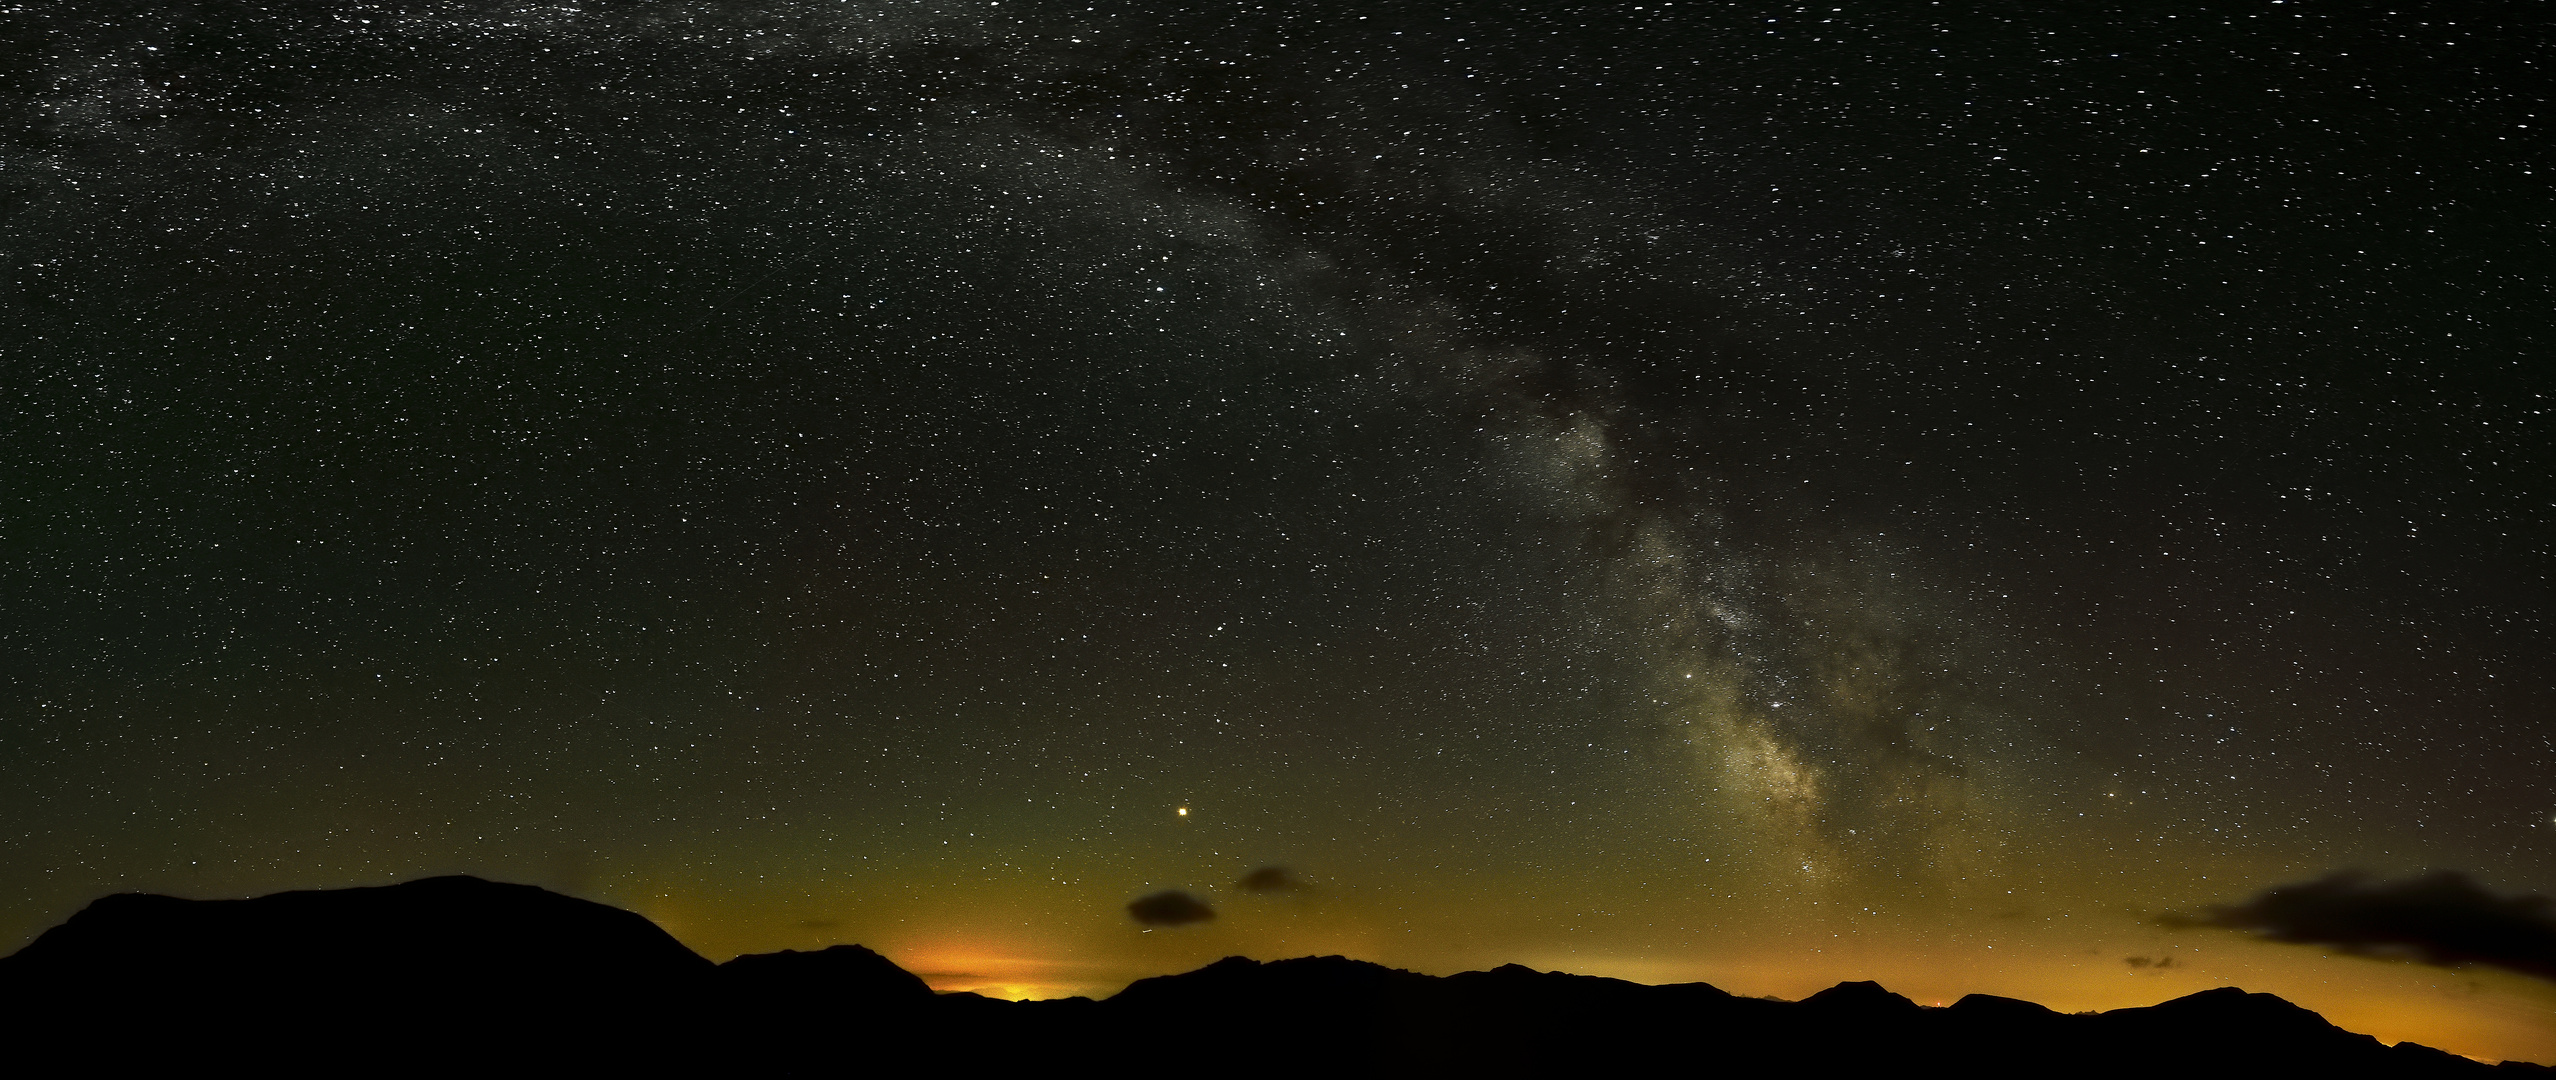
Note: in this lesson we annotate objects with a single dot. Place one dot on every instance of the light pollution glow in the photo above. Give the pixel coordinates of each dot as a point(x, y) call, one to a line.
point(1021, 940)
point(1645, 548)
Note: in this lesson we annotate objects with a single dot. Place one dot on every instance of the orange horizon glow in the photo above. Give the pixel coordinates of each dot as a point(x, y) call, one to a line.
point(2082, 965)
point(2391, 1002)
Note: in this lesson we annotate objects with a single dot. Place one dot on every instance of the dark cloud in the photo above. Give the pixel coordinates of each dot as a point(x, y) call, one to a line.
point(2142, 963)
point(1273, 879)
point(2442, 918)
point(1170, 907)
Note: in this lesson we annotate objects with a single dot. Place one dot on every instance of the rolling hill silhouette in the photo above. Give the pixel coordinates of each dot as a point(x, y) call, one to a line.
point(456, 974)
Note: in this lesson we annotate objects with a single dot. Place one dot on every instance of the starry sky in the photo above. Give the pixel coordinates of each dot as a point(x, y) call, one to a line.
point(1762, 493)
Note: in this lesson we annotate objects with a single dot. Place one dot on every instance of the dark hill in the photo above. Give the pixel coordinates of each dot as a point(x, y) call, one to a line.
point(841, 977)
point(429, 931)
point(452, 975)
point(444, 969)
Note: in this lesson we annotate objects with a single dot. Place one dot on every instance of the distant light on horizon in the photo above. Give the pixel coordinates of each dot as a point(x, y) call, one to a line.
point(1458, 440)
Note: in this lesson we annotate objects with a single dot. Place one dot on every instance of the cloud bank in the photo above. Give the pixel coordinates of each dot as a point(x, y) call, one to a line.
point(2443, 918)
point(1170, 907)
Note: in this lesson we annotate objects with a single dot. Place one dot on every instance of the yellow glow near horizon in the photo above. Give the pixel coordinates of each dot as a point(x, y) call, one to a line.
point(1052, 941)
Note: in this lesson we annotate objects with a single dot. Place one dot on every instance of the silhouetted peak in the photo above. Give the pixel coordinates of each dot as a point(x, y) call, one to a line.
point(460, 884)
point(1221, 977)
point(1697, 990)
point(841, 974)
point(1992, 1007)
point(1521, 979)
point(1340, 965)
point(1305, 980)
point(830, 957)
point(2234, 1004)
point(1865, 995)
point(453, 970)
point(431, 929)
point(2242, 1023)
point(1314, 975)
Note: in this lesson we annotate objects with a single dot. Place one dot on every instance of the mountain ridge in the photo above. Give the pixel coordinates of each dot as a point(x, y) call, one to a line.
point(451, 972)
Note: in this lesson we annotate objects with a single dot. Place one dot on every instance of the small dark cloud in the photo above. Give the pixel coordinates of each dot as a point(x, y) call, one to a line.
point(2141, 963)
point(1273, 879)
point(1170, 907)
point(2444, 918)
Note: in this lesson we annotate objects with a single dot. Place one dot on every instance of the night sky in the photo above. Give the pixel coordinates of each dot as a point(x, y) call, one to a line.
point(1759, 493)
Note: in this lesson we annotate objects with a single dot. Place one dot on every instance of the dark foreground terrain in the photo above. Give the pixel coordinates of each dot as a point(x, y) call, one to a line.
point(455, 974)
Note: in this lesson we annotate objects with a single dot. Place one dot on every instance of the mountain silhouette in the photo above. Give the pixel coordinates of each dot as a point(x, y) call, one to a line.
point(455, 974)
point(841, 977)
point(447, 969)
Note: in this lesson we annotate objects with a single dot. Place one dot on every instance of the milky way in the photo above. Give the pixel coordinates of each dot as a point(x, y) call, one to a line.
point(1762, 493)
